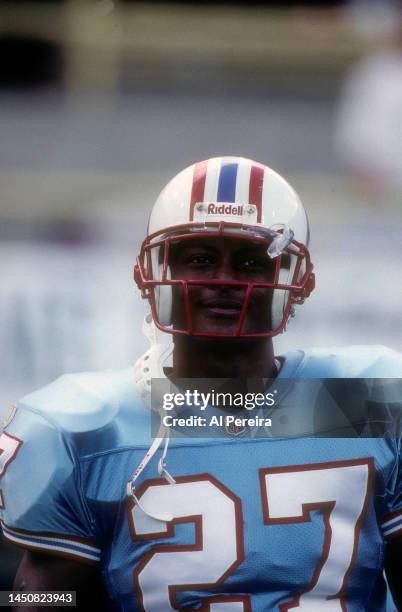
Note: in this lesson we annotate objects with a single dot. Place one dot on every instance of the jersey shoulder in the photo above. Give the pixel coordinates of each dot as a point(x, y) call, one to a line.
point(105, 405)
point(44, 443)
point(344, 362)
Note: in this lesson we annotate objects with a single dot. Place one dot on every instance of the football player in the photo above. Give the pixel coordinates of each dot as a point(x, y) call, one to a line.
point(228, 523)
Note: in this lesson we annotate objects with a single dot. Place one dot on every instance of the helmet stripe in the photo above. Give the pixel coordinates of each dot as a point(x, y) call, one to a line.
point(197, 190)
point(211, 182)
point(227, 183)
point(256, 187)
point(243, 183)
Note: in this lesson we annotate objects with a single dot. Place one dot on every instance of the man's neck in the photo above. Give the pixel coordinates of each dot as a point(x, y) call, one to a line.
point(221, 358)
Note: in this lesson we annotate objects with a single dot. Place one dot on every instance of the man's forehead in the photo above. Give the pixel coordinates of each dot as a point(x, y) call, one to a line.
point(217, 243)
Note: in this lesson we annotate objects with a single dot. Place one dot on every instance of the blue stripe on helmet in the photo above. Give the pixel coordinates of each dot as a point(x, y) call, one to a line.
point(227, 183)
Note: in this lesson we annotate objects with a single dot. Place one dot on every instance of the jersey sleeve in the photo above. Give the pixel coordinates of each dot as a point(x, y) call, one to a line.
point(391, 521)
point(42, 507)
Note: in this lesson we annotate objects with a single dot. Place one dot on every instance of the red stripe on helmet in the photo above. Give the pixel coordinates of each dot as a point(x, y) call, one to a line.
point(197, 190)
point(256, 187)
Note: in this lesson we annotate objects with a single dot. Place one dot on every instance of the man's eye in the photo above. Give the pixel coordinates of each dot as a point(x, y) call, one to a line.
point(252, 263)
point(199, 260)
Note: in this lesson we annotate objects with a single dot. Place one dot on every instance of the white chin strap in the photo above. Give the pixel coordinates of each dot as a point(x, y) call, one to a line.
point(151, 365)
point(163, 434)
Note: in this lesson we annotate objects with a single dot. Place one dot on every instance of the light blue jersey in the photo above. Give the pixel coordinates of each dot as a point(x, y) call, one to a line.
point(256, 524)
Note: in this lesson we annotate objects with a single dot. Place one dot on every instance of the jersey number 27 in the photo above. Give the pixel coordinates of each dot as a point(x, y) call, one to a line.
point(288, 494)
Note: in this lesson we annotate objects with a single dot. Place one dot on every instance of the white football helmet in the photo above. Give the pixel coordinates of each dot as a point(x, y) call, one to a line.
point(228, 197)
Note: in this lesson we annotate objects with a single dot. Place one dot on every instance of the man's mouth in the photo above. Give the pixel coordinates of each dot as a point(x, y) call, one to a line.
point(222, 307)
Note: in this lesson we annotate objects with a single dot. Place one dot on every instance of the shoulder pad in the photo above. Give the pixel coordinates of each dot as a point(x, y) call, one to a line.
point(85, 401)
point(151, 365)
point(95, 411)
point(351, 362)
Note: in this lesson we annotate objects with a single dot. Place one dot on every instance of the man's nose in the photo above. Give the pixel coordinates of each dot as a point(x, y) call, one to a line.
point(224, 270)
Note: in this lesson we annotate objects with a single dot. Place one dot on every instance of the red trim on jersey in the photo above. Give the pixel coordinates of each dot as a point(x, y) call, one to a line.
point(53, 534)
point(50, 551)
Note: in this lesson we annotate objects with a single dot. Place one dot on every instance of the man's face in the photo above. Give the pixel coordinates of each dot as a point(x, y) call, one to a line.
point(217, 308)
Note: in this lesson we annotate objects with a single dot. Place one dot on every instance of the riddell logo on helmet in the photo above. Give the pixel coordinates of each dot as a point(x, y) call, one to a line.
point(225, 209)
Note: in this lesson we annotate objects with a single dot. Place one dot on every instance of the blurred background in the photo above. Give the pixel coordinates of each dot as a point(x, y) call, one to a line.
point(102, 101)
